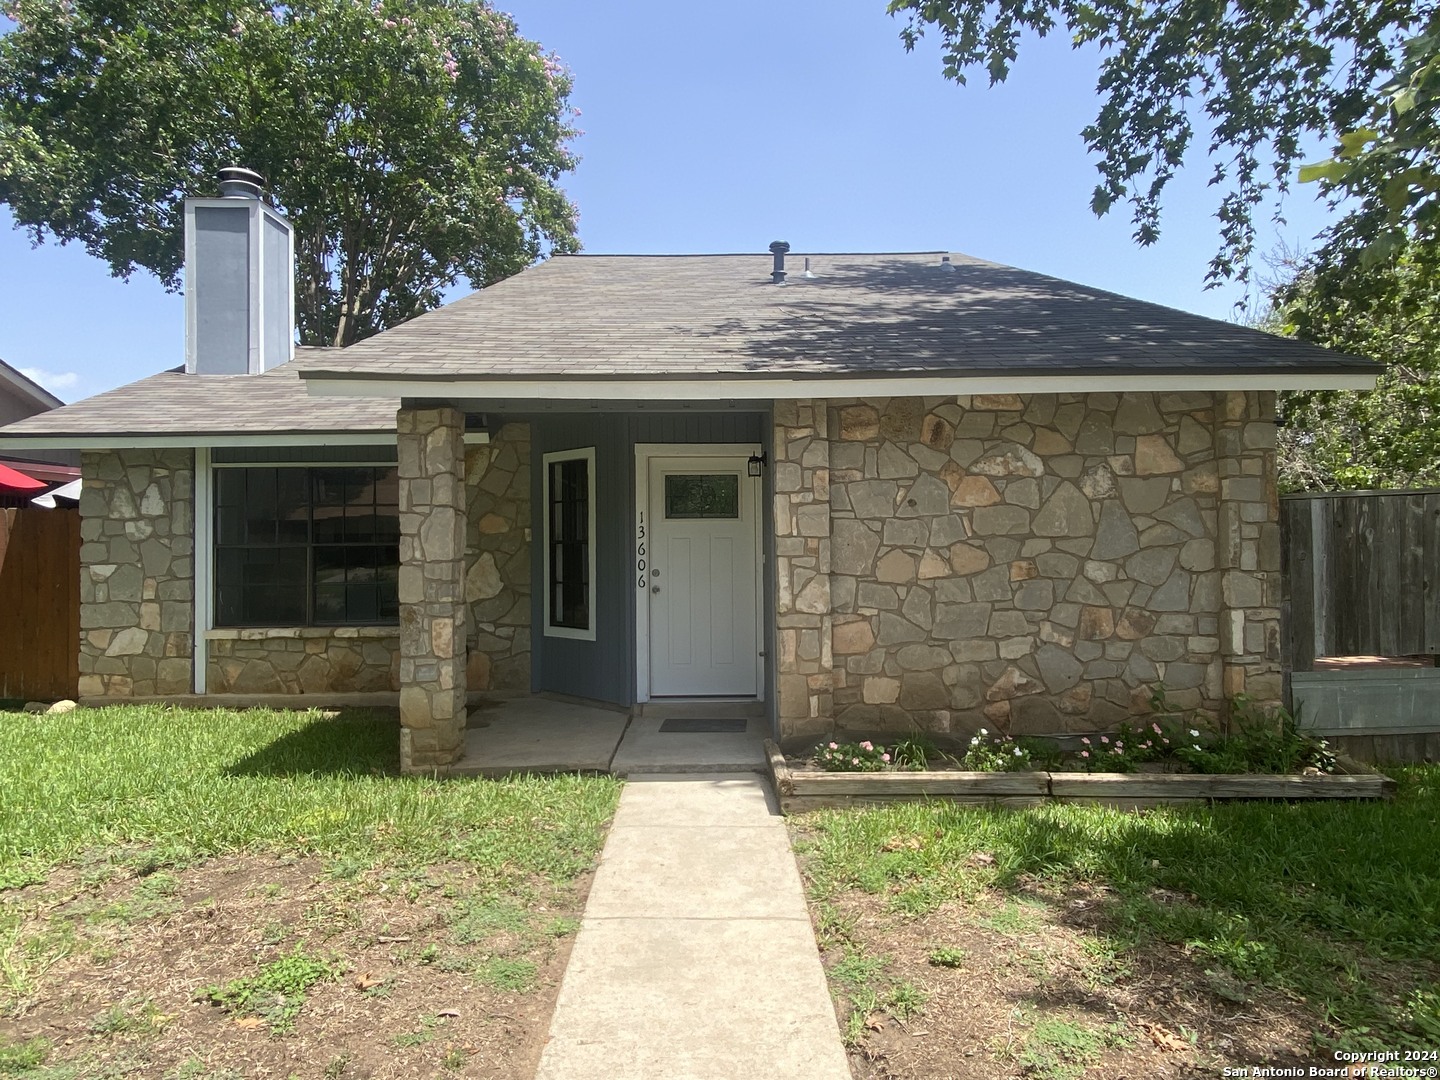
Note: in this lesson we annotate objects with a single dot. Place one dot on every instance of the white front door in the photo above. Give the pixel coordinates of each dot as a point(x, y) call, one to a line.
point(702, 577)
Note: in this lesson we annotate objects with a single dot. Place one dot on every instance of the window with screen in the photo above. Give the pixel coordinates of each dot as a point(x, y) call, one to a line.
point(569, 540)
point(306, 546)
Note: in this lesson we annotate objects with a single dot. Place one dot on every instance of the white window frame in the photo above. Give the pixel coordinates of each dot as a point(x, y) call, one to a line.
point(586, 454)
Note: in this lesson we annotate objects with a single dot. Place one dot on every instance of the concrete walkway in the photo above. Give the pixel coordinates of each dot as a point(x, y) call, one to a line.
point(695, 959)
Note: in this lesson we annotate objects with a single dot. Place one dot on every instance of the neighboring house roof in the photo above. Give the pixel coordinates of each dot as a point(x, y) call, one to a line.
point(26, 390)
point(173, 404)
point(698, 316)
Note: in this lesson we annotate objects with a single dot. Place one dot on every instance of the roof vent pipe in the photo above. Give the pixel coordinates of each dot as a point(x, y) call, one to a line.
point(778, 249)
point(239, 183)
point(946, 265)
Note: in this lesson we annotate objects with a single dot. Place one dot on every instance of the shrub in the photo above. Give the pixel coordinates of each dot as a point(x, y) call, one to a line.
point(1000, 754)
point(914, 752)
point(852, 757)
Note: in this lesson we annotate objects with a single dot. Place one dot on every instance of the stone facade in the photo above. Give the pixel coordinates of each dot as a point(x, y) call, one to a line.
point(137, 573)
point(804, 620)
point(1030, 563)
point(431, 450)
point(497, 561)
point(303, 660)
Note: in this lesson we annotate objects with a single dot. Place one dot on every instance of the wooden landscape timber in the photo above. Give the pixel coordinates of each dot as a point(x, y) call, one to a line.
point(799, 791)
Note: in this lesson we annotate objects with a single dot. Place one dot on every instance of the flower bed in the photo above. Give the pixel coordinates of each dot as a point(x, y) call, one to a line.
point(800, 789)
point(1163, 759)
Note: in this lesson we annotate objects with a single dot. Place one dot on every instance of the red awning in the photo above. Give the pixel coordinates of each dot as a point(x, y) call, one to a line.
point(17, 483)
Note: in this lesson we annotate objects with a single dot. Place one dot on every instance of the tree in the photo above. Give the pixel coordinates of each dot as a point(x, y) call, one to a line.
point(1264, 78)
point(411, 142)
point(1390, 311)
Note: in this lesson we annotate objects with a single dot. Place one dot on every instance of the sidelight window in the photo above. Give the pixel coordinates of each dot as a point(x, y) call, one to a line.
point(570, 544)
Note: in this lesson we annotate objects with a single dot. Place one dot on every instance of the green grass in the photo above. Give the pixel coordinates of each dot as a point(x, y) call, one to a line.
point(17, 1058)
point(176, 784)
point(1056, 1049)
point(1314, 898)
point(277, 992)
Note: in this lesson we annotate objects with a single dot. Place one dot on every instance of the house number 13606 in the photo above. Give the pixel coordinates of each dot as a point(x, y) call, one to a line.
point(640, 552)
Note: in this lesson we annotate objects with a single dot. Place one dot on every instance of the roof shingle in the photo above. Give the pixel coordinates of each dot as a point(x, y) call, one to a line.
point(632, 316)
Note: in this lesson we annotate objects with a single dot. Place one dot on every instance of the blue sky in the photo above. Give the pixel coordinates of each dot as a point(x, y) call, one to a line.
point(721, 127)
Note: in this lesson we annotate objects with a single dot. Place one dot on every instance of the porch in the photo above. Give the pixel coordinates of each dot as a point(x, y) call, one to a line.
point(545, 733)
point(612, 560)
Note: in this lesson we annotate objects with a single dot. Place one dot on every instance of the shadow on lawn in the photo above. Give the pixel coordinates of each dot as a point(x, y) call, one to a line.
point(352, 742)
point(1336, 902)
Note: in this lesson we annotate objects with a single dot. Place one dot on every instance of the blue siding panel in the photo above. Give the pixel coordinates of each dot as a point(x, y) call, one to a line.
point(604, 669)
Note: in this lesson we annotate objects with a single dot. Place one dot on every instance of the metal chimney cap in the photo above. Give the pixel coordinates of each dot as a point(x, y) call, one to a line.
point(779, 247)
point(237, 182)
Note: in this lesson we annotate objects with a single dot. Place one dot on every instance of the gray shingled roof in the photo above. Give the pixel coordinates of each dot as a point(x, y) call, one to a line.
point(173, 403)
point(631, 316)
point(647, 316)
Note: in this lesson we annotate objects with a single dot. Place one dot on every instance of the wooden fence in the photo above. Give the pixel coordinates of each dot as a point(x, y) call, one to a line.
point(1362, 579)
point(39, 603)
point(1362, 574)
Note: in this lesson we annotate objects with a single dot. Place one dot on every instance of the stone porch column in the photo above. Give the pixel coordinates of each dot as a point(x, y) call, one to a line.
point(431, 448)
point(1247, 547)
point(805, 668)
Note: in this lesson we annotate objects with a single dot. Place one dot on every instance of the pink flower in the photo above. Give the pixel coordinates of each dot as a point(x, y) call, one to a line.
point(1155, 728)
point(885, 757)
point(834, 746)
point(866, 745)
point(1084, 753)
point(1086, 740)
point(1105, 739)
point(854, 761)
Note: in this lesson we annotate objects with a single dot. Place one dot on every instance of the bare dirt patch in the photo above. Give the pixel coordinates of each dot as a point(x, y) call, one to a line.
point(1028, 984)
point(263, 966)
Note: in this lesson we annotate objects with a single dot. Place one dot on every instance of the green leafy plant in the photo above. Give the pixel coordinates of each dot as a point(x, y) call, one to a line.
point(852, 757)
point(1262, 739)
point(278, 992)
point(994, 754)
point(914, 753)
point(947, 957)
point(17, 1058)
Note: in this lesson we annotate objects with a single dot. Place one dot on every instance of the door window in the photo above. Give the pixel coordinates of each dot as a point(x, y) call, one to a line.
point(714, 495)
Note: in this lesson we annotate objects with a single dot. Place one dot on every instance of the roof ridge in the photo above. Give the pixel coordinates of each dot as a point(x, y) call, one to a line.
point(735, 254)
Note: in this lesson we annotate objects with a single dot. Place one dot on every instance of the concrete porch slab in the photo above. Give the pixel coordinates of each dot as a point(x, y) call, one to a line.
point(646, 749)
point(540, 734)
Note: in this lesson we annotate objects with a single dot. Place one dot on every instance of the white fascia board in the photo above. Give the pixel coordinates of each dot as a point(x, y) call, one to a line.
point(274, 438)
point(29, 389)
point(762, 388)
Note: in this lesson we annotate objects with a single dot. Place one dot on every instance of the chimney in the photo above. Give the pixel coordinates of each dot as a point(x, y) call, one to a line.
point(239, 280)
point(778, 249)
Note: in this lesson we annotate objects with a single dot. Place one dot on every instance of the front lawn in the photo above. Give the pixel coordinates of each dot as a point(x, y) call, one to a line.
point(1062, 939)
point(216, 894)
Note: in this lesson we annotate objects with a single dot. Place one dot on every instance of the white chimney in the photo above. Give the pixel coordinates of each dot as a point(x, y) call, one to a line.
point(239, 281)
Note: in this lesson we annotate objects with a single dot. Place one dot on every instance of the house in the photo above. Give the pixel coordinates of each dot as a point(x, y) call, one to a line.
point(22, 477)
point(874, 491)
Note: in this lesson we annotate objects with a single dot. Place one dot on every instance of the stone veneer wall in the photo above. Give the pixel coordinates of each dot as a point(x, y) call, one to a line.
point(497, 560)
point(137, 573)
point(1035, 564)
point(430, 446)
point(303, 660)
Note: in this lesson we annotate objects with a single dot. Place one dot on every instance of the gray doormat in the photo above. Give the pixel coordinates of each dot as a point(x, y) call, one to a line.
point(698, 726)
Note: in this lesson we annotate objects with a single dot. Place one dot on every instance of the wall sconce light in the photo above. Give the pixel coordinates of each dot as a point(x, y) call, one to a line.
point(757, 462)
